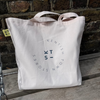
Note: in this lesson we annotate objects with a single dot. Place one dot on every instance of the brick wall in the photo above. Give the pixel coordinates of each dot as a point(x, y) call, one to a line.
point(28, 8)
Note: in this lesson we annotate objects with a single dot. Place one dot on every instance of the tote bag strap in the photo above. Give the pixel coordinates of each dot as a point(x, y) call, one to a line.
point(61, 17)
point(67, 15)
point(44, 13)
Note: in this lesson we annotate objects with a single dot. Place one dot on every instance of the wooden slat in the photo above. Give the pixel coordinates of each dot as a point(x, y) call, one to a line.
point(90, 67)
point(90, 90)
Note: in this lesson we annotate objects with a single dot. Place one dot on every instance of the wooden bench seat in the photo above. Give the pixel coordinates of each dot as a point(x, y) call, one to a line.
point(89, 90)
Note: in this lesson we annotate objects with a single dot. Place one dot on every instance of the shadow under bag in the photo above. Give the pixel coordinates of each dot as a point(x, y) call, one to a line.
point(47, 50)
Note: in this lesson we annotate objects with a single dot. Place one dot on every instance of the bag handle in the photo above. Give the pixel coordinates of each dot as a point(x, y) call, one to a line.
point(44, 13)
point(67, 15)
point(61, 17)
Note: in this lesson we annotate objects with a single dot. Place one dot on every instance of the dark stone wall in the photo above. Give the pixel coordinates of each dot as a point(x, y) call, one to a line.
point(26, 9)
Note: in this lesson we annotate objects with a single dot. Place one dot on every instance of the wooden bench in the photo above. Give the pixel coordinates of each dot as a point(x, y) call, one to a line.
point(89, 90)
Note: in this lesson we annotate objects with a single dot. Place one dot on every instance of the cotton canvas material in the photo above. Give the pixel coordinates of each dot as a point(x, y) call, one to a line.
point(47, 50)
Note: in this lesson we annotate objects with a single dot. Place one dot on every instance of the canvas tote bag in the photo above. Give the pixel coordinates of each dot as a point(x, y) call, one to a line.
point(47, 50)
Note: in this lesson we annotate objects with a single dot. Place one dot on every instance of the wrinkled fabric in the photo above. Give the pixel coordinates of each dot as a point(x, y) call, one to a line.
point(47, 50)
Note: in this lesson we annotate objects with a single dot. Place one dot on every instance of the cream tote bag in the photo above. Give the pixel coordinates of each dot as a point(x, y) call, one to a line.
point(47, 50)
